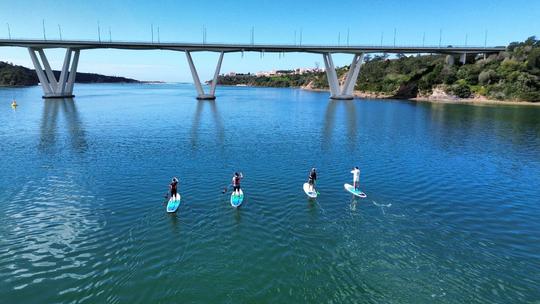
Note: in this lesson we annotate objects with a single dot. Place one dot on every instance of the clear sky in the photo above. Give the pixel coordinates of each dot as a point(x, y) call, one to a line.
point(321, 22)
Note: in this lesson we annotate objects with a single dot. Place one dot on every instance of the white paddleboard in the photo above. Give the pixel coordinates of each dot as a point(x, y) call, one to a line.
point(174, 203)
point(309, 193)
point(237, 199)
point(354, 192)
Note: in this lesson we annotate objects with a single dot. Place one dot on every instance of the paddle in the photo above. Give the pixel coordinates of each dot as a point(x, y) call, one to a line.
point(166, 197)
point(226, 188)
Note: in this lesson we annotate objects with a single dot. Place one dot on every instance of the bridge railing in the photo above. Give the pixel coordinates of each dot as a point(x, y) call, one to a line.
point(258, 44)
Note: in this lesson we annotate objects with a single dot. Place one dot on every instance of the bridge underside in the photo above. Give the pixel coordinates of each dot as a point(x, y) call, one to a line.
point(63, 85)
point(238, 47)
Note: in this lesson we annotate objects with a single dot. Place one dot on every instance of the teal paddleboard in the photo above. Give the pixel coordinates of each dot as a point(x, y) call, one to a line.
point(355, 192)
point(237, 199)
point(174, 203)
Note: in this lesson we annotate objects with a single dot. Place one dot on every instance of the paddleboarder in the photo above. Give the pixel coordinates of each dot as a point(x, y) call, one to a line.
point(356, 178)
point(312, 178)
point(236, 182)
point(173, 186)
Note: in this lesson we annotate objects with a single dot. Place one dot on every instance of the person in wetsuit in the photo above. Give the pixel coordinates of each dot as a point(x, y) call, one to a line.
point(312, 178)
point(236, 182)
point(173, 187)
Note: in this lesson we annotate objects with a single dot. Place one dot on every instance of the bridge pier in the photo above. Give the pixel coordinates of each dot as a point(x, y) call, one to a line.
point(52, 87)
point(463, 58)
point(345, 91)
point(201, 95)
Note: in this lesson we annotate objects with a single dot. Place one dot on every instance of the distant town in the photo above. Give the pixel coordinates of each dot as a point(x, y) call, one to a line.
point(297, 71)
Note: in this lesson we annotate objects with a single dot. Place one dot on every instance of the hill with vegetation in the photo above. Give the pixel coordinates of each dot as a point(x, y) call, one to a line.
point(513, 74)
point(16, 75)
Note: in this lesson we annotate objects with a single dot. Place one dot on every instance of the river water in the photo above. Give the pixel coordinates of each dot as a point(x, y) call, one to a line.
point(452, 213)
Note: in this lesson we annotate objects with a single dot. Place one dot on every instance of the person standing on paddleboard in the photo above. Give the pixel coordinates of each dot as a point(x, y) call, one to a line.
point(312, 178)
point(356, 178)
point(173, 186)
point(236, 182)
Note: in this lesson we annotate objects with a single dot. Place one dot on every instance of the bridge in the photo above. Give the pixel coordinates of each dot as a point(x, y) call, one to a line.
point(63, 86)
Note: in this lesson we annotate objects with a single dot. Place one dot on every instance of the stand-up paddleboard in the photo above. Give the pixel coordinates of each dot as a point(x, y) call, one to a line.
point(174, 203)
point(351, 189)
point(309, 193)
point(237, 199)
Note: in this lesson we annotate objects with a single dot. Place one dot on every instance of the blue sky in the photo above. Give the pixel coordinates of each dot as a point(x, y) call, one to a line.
point(321, 22)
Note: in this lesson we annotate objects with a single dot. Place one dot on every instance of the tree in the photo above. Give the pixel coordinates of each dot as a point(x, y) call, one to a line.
point(533, 60)
point(461, 90)
point(487, 77)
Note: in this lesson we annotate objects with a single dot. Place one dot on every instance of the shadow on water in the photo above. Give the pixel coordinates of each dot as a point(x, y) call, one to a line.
point(175, 225)
point(197, 121)
point(329, 121)
point(50, 124)
point(312, 208)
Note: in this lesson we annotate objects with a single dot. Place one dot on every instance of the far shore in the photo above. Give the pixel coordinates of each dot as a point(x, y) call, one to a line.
point(476, 101)
point(371, 95)
point(472, 101)
point(449, 100)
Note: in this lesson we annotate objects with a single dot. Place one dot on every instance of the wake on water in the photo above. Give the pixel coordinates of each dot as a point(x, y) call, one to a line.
point(382, 206)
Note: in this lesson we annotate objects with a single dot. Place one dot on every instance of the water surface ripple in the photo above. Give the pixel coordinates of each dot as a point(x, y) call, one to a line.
point(451, 214)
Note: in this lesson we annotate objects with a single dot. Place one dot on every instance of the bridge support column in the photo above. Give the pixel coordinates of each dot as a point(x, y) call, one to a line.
point(52, 87)
point(463, 58)
point(344, 91)
point(198, 86)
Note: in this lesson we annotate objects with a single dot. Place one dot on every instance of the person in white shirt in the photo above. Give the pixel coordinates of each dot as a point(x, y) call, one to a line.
point(356, 178)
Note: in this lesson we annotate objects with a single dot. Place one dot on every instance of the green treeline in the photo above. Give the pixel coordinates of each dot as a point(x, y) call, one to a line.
point(513, 74)
point(15, 75)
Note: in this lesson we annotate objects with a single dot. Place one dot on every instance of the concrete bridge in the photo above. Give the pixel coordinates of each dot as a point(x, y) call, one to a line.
point(63, 86)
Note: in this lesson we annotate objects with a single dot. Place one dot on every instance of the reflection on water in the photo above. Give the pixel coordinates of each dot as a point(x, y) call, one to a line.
point(329, 120)
point(197, 121)
point(237, 215)
point(67, 109)
point(512, 127)
point(175, 225)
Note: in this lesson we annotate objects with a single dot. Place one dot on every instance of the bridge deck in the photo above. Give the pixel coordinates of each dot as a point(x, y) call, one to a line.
point(223, 47)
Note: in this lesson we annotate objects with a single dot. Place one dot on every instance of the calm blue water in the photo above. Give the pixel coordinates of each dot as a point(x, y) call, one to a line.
point(452, 213)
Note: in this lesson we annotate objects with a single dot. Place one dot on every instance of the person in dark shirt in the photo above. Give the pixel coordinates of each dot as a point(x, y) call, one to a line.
point(312, 178)
point(173, 187)
point(236, 183)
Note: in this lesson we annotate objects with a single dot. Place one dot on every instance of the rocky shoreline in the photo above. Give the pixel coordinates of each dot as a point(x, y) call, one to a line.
point(438, 96)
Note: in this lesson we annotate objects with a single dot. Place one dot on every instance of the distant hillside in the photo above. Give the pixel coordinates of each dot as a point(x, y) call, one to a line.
point(513, 74)
point(16, 75)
